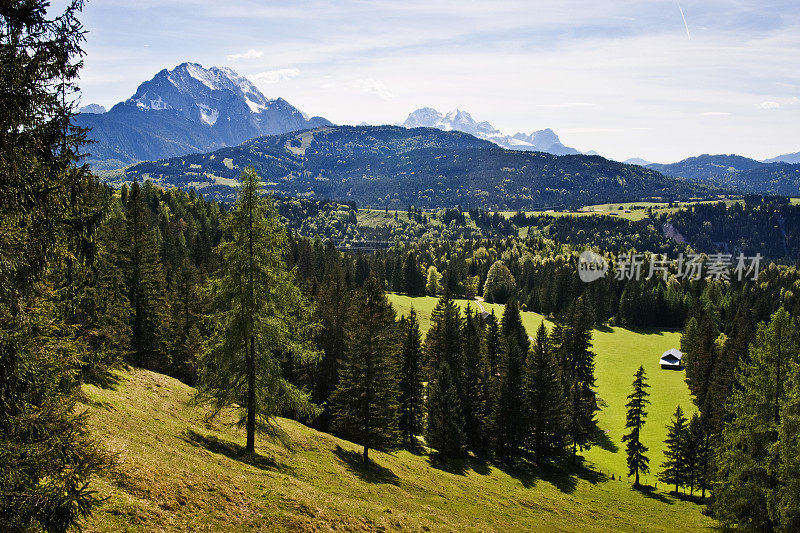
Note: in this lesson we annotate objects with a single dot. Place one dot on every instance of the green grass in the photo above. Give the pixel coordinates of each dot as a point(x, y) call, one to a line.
point(178, 472)
point(619, 353)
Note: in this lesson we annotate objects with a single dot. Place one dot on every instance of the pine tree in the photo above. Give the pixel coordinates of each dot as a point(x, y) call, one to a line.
point(365, 403)
point(574, 343)
point(674, 466)
point(411, 389)
point(750, 479)
point(260, 315)
point(638, 462)
point(477, 377)
point(545, 400)
point(48, 222)
point(144, 278)
point(509, 416)
point(445, 429)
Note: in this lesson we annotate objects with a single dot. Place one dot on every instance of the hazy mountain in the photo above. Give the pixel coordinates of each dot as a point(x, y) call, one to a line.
point(92, 108)
point(390, 166)
point(184, 110)
point(785, 158)
point(735, 171)
point(540, 141)
point(637, 161)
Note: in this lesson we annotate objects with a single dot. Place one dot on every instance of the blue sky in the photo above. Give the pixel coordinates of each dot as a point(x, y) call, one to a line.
point(623, 78)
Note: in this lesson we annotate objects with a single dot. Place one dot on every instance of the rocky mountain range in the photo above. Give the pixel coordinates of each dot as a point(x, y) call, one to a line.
point(185, 110)
point(544, 140)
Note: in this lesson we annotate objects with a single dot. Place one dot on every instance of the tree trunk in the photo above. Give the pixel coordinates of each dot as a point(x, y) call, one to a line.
point(636, 482)
point(251, 397)
point(365, 455)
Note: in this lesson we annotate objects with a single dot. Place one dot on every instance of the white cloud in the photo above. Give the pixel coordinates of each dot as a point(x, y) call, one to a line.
point(794, 101)
point(769, 105)
point(373, 86)
point(250, 54)
point(568, 104)
point(275, 76)
point(715, 113)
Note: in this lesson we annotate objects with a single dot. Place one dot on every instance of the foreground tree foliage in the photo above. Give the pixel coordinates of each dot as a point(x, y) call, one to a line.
point(758, 454)
point(261, 318)
point(412, 393)
point(365, 403)
point(49, 213)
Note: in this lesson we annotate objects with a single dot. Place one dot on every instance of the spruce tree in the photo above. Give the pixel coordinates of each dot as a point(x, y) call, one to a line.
point(574, 343)
point(750, 477)
point(47, 214)
point(477, 377)
point(638, 462)
point(445, 429)
point(509, 416)
point(673, 469)
point(411, 378)
point(144, 278)
point(260, 315)
point(365, 403)
point(545, 400)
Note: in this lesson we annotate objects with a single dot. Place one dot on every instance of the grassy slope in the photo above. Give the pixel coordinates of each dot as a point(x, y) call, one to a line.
point(619, 354)
point(179, 473)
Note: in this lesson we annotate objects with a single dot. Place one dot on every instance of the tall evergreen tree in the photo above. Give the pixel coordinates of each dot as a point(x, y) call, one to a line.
point(509, 416)
point(545, 400)
point(638, 462)
point(365, 403)
point(445, 429)
point(574, 345)
point(48, 222)
point(144, 278)
point(751, 478)
point(674, 466)
point(411, 377)
point(477, 377)
point(260, 315)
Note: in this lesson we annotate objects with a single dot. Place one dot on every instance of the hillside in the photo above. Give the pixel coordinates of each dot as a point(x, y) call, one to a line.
point(389, 166)
point(737, 172)
point(178, 472)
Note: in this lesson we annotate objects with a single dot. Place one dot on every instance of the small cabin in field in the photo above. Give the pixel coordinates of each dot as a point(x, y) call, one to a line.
point(671, 359)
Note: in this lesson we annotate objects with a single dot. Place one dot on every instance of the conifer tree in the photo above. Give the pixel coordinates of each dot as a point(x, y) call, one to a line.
point(260, 314)
point(411, 378)
point(638, 462)
point(545, 400)
point(751, 477)
point(477, 376)
point(674, 466)
point(445, 429)
point(365, 403)
point(47, 214)
point(509, 417)
point(144, 278)
point(574, 343)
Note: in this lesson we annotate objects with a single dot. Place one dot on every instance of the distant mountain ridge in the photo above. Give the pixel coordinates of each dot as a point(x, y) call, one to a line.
point(544, 140)
point(793, 158)
point(394, 167)
point(184, 110)
point(735, 171)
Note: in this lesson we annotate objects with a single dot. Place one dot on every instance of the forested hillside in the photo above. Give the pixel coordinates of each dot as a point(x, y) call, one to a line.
point(394, 167)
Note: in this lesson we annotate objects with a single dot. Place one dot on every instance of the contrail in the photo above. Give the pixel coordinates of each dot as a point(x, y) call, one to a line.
point(684, 21)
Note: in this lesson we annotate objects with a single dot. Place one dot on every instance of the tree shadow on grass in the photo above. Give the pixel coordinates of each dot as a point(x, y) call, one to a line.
point(105, 378)
point(459, 465)
point(648, 491)
point(234, 451)
point(602, 440)
point(371, 472)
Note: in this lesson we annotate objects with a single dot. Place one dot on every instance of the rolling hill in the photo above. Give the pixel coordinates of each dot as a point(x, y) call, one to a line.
point(394, 167)
point(737, 172)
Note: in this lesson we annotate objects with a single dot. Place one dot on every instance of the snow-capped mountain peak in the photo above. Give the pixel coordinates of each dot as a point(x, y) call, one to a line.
point(544, 140)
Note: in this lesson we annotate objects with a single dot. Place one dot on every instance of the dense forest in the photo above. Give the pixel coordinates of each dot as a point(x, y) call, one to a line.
point(394, 167)
point(264, 315)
